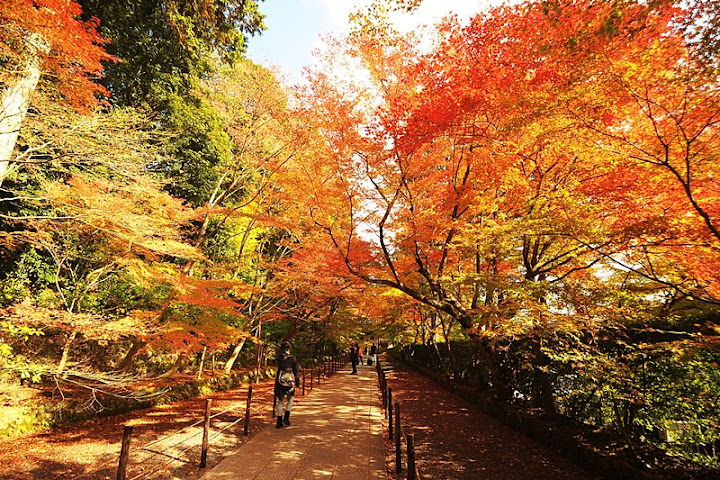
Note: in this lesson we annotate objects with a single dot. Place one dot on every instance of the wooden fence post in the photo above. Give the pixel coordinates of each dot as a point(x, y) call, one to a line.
point(398, 451)
point(388, 401)
point(124, 452)
point(303, 383)
point(411, 469)
point(206, 433)
point(247, 411)
point(311, 377)
point(383, 389)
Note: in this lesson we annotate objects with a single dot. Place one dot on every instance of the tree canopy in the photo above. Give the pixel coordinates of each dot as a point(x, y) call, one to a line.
point(539, 181)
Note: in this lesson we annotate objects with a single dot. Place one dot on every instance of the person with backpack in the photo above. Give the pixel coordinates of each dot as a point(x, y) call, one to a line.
point(354, 349)
point(285, 381)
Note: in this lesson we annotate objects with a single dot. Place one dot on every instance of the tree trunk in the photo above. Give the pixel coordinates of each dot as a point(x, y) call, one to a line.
point(15, 101)
point(451, 356)
point(65, 354)
point(259, 351)
point(498, 376)
point(438, 355)
point(235, 354)
point(176, 366)
point(127, 361)
point(542, 381)
point(202, 363)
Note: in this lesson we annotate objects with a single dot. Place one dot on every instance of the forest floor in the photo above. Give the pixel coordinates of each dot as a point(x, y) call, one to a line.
point(165, 442)
point(455, 439)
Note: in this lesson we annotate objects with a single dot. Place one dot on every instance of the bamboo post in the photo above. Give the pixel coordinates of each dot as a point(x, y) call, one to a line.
point(206, 433)
point(398, 451)
point(411, 469)
point(124, 452)
point(389, 409)
point(202, 363)
point(383, 390)
point(247, 411)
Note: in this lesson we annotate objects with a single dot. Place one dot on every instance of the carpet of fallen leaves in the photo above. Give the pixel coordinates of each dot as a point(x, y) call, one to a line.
point(165, 443)
point(454, 439)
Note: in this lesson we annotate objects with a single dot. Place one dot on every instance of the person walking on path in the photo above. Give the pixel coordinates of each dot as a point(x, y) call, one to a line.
point(285, 381)
point(354, 355)
point(373, 353)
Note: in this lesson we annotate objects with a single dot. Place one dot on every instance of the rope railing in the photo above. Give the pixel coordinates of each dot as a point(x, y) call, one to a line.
point(326, 369)
point(167, 449)
point(177, 457)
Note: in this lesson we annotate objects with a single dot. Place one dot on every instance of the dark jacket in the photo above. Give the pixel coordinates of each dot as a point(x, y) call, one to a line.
point(286, 362)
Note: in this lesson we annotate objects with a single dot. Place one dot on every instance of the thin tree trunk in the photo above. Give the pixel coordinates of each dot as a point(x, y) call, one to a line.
point(202, 363)
point(259, 351)
point(235, 354)
point(15, 101)
point(498, 375)
point(65, 354)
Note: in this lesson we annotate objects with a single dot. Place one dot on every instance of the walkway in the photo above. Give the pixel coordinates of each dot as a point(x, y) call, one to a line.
point(336, 433)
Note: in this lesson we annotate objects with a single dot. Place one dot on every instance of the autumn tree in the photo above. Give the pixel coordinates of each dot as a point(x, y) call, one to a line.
point(85, 217)
point(459, 177)
point(659, 125)
point(167, 49)
point(45, 40)
point(252, 105)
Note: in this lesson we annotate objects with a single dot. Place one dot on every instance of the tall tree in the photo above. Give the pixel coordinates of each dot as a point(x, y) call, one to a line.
point(166, 49)
point(164, 45)
point(464, 167)
point(48, 37)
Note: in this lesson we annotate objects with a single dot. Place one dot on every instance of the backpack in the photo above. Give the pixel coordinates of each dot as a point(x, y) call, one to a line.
point(286, 378)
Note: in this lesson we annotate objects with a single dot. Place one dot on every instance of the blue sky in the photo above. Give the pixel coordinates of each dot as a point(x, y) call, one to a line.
point(294, 27)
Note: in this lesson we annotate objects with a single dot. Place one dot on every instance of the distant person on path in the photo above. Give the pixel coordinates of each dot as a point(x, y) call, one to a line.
point(285, 381)
point(354, 355)
point(360, 354)
point(373, 353)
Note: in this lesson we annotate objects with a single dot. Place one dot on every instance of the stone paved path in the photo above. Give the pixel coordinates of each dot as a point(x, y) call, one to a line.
point(336, 433)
